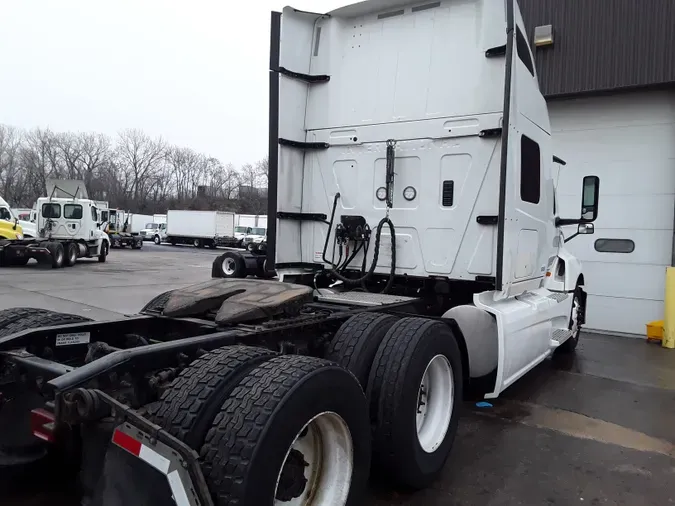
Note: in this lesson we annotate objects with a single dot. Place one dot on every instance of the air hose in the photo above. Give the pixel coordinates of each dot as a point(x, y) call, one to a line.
point(376, 253)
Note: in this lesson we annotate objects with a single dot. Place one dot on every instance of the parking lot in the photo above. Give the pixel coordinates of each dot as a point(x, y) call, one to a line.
point(597, 429)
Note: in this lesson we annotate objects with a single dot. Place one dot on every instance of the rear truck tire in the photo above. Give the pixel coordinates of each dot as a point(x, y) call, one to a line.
point(157, 240)
point(104, 251)
point(57, 254)
point(197, 243)
point(575, 324)
point(230, 265)
point(356, 342)
point(294, 440)
point(414, 392)
point(72, 252)
point(188, 407)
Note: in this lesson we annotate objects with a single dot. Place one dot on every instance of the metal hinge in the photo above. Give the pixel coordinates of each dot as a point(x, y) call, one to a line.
point(302, 216)
point(496, 51)
point(490, 132)
point(487, 220)
point(303, 145)
point(308, 78)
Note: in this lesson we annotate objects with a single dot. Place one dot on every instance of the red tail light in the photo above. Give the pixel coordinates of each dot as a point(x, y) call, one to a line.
point(43, 424)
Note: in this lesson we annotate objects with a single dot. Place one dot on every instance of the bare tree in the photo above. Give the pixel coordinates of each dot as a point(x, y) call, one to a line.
point(133, 172)
point(139, 158)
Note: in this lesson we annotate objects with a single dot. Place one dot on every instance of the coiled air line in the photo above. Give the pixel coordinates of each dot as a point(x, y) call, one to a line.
point(366, 275)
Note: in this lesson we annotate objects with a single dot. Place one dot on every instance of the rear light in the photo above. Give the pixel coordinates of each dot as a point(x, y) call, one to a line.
point(43, 424)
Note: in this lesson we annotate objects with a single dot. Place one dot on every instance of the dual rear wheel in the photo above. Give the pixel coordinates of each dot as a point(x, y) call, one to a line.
point(296, 430)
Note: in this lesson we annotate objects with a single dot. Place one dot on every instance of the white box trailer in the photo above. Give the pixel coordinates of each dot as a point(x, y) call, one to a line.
point(200, 228)
point(138, 222)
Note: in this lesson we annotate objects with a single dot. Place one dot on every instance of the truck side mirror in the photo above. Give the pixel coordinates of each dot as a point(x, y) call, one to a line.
point(589, 199)
point(586, 229)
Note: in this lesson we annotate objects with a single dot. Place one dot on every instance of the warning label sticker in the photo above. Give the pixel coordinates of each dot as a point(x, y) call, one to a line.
point(318, 256)
point(74, 338)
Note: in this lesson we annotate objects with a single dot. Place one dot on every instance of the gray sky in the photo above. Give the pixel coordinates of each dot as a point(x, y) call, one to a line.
point(194, 72)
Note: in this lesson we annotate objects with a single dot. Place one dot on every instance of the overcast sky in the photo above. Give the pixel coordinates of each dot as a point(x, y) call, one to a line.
point(193, 72)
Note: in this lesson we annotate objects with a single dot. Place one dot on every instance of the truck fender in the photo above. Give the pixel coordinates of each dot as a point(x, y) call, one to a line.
point(565, 272)
point(479, 329)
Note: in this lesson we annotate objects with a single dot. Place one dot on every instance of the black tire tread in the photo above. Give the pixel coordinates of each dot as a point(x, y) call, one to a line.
point(362, 333)
point(195, 388)
point(231, 442)
point(41, 319)
point(389, 368)
point(386, 387)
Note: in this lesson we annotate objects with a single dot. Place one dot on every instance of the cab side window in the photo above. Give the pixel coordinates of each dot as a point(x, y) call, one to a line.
point(94, 214)
point(524, 51)
point(5, 214)
point(530, 170)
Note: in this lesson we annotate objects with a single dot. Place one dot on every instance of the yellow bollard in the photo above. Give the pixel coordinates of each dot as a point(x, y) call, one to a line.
point(669, 310)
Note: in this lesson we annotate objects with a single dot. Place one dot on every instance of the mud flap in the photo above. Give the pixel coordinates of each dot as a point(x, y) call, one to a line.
point(140, 470)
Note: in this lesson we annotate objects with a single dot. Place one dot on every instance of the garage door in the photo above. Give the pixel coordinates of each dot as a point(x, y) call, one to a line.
point(628, 140)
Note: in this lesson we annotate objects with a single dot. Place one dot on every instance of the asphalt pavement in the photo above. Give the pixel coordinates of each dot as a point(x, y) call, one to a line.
point(597, 428)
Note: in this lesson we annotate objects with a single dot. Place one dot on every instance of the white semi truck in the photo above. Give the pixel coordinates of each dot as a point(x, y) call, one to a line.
point(67, 230)
point(415, 235)
point(200, 228)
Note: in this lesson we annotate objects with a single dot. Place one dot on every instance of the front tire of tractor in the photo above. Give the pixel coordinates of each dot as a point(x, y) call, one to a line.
point(71, 254)
point(190, 404)
point(57, 254)
point(157, 240)
point(356, 342)
point(575, 325)
point(294, 440)
point(104, 252)
point(414, 391)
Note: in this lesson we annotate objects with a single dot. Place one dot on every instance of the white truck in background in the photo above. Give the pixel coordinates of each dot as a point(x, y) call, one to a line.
point(155, 229)
point(245, 223)
point(200, 228)
point(67, 229)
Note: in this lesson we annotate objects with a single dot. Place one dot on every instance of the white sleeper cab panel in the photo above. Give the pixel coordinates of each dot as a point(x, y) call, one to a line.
point(628, 140)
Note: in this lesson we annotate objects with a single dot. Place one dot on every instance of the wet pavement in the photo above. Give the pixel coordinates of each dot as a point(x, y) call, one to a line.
point(595, 428)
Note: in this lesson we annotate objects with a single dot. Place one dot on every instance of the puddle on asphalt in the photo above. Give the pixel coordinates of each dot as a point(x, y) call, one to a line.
point(577, 425)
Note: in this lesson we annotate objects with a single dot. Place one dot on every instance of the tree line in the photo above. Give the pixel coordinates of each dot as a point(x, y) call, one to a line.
point(131, 171)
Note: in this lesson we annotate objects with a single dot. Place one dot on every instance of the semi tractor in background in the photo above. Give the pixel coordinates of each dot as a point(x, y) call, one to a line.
point(200, 228)
point(68, 229)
